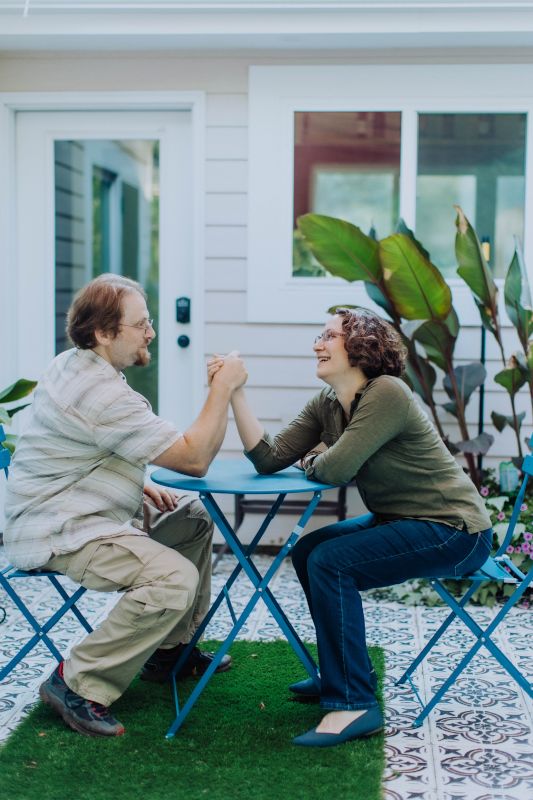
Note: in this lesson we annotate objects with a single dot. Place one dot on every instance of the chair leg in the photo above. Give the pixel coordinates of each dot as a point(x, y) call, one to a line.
point(72, 607)
point(41, 631)
point(434, 639)
point(483, 639)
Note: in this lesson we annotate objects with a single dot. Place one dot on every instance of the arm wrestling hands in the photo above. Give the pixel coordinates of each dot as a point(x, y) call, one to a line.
point(193, 452)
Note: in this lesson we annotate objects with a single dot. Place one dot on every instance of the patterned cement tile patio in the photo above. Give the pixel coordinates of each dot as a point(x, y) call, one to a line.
point(477, 745)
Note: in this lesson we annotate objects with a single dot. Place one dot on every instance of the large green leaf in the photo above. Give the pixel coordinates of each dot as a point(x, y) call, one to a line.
point(421, 375)
point(402, 227)
point(414, 285)
point(438, 339)
point(473, 267)
point(20, 388)
point(511, 378)
point(518, 296)
point(467, 377)
point(375, 294)
point(342, 248)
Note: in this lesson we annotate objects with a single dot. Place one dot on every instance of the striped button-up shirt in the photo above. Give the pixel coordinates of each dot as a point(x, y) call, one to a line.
point(78, 470)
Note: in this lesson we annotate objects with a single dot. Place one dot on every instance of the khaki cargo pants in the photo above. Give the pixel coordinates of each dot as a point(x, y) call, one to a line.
point(166, 580)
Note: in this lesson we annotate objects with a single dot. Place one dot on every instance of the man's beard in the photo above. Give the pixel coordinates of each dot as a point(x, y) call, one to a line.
point(143, 358)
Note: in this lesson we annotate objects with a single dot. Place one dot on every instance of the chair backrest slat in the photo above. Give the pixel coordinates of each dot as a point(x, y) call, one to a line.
point(527, 469)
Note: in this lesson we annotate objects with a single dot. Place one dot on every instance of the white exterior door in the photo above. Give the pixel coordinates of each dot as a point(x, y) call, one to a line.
point(109, 191)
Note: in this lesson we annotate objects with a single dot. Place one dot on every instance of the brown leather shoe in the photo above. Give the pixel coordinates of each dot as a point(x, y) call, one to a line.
point(158, 668)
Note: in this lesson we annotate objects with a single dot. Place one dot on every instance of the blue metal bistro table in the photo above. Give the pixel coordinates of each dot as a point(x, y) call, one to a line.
point(239, 477)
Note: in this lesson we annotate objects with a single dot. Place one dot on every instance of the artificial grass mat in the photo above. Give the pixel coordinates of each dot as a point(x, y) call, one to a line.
point(235, 744)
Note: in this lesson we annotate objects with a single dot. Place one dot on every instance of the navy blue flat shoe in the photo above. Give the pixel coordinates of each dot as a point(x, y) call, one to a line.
point(308, 688)
point(366, 725)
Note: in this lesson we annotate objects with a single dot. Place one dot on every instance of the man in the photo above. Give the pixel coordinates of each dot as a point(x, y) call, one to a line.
point(74, 490)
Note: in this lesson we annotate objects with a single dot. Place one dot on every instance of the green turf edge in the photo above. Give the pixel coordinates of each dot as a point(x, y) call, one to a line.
point(235, 744)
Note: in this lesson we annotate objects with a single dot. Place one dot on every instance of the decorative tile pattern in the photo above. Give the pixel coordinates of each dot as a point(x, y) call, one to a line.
point(476, 745)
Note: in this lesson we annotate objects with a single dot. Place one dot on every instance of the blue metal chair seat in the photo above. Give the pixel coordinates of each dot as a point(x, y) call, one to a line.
point(10, 574)
point(497, 567)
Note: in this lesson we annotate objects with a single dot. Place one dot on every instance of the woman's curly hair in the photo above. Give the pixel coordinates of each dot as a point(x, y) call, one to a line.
point(372, 344)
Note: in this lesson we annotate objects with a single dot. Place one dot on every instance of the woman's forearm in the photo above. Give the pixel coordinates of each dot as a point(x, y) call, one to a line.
point(250, 429)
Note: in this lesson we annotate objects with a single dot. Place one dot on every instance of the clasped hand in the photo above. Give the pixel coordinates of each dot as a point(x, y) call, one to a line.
point(229, 368)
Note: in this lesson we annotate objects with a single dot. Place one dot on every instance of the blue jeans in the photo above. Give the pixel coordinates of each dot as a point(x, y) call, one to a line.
point(335, 562)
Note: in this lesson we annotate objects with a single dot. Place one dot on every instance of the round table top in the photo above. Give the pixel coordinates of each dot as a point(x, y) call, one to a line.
point(238, 476)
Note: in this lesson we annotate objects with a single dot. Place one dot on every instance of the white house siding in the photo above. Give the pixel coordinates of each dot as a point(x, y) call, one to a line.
point(70, 229)
point(279, 356)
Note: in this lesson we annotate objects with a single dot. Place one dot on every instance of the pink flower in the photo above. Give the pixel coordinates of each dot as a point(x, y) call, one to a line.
point(501, 516)
point(484, 491)
point(523, 507)
point(510, 549)
point(526, 548)
point(528, 536)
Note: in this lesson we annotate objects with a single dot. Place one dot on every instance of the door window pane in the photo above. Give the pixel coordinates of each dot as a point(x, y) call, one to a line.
point(347, 165)
point(476, 161)
point(107, 220)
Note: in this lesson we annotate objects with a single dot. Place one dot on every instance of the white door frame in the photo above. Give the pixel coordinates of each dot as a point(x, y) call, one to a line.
point(10, 105)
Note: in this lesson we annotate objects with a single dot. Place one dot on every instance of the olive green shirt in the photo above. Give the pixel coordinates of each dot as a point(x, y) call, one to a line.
point(400, 464)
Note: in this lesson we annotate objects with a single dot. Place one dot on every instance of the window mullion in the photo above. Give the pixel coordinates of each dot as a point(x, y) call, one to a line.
point(408, 166)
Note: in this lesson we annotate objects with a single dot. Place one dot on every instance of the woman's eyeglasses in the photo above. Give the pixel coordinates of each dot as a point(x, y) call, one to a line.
point(327, 336)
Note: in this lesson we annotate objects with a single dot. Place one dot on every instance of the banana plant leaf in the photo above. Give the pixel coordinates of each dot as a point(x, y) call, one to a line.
point(511, 378)
point(501, 420)
point(17, 390)
point(438, 339)
point(402, 227)
point(342, 248)
point(414, 285)
point(486, 317)
point(422, 377)
point(473, 267)
point(518, 297)
point(478, 446)
point(468, 377)
point(451, 408)
point(380, 299)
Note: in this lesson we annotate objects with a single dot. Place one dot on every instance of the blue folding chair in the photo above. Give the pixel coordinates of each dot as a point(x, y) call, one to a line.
point(498, 567)
point(10, 574)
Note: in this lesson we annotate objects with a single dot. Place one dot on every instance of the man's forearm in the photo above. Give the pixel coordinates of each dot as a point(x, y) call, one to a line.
point(200, 443)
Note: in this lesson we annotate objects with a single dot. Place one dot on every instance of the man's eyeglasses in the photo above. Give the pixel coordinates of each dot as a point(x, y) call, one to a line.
point(141, 326)
point(327, 336)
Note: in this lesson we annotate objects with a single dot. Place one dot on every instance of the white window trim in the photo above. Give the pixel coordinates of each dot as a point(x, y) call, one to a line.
point(277, 92)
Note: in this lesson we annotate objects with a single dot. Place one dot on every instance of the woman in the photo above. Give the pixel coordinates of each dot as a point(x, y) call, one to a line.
point(426, 517)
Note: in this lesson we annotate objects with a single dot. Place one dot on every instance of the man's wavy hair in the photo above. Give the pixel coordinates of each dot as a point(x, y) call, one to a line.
point(98, 306)
point(371, 343)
